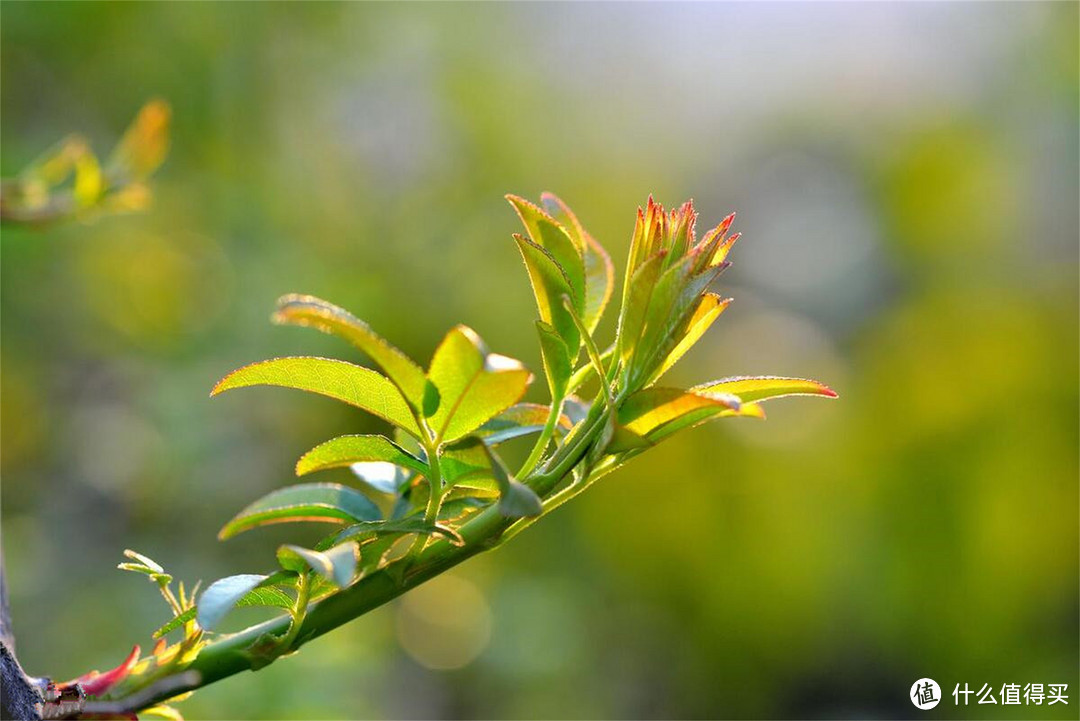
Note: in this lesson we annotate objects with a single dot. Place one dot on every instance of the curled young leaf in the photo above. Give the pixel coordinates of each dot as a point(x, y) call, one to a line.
point(353, 384)
point(143, 564)
point(337, 565)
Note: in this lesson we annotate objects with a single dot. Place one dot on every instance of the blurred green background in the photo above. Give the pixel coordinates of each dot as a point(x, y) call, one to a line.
point(906, 178)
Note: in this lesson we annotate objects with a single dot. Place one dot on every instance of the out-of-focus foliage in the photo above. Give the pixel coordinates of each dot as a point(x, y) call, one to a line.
point(906, 180)
point(42, 193)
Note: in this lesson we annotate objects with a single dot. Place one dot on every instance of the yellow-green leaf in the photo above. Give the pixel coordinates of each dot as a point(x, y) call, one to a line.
point(655, 413)
point(567, 250)
point(307, 310)
point(599, 271)
point(321, 502)
point(347, 450)
point(353, 384)
point(557, 362)
point(762, 388)
point(632, 319)
point(707, 311)
point(672, 303)
point(549, 283)
point(474, 385)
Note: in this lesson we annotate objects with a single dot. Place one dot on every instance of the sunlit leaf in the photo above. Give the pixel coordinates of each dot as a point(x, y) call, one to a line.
point(270, 596)
point(549, 284)
point(347, 450)
point(762, 388)
point(353, 384)
point(655, 413)
point(322, 502)
point(599, 271)
point(632, 319)
point(221, 596)
point(708, 310)
point(474, 385)
point(314, 312)
point(556, 356)
point(567, 250)
point(673, 302)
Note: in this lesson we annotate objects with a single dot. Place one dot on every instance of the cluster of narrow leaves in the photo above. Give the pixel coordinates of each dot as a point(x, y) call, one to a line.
point(164, 659)
point(439, 463)
point(70, 181)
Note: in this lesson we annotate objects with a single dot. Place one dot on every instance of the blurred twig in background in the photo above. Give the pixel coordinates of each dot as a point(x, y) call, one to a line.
point(69, 181)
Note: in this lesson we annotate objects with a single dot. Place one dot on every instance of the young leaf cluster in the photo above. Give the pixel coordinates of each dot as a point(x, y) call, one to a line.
point(433, 489)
